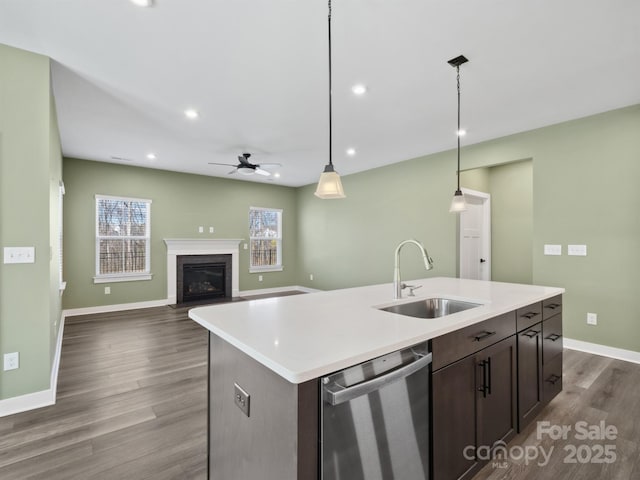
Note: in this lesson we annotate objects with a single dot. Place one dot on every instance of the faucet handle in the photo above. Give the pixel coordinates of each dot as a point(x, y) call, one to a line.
point(411, 288)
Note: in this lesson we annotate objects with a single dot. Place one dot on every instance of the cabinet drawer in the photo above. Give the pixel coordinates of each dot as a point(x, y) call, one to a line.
point(551, 338)
point(552, 379)
point(551, 306)
point(528, 316)
point(456, 345)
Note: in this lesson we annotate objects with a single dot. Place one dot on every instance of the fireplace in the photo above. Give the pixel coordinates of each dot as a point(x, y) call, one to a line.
point(203, 278)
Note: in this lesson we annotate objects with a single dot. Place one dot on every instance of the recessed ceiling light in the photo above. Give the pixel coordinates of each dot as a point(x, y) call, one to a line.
point(359, 89)
point(277, 175)
point(142, 3)
point(151, 156)
point(351, 152)
point(191, 113)
point(462, 132)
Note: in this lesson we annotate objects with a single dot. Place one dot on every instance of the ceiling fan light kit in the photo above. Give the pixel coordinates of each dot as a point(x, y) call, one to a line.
point(458, 204)
point(329, 185)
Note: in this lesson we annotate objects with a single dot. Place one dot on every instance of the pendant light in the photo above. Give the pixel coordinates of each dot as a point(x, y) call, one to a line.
point(458, 203)
point(329, 185)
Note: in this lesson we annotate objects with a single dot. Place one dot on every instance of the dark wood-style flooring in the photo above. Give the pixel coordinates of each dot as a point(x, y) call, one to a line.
point(132, 405)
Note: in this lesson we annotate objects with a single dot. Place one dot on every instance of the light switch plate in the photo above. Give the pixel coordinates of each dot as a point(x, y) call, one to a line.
point(592, 318)
point(19, 254)
point(11, 361)
point(579, 250)
point(241, 398)
point(553, 249)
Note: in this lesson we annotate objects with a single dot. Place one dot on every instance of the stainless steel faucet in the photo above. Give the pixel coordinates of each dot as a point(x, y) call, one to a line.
point(397, 283)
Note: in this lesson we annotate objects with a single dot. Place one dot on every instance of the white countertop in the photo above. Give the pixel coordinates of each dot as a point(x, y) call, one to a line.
point(301, 337)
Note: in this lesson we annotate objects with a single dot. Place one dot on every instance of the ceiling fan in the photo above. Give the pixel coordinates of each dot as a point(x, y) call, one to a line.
point(247, 168)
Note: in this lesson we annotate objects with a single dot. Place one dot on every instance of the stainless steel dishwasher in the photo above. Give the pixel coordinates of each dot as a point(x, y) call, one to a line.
point(375, 419)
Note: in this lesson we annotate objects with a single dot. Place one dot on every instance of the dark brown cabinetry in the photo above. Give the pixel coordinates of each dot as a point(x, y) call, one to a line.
point(530, 396)
point(474, 398)
point(551, 348)
point(490, 379)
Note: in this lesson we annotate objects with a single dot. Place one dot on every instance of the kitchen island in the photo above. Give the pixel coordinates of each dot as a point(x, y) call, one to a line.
point(266, 357)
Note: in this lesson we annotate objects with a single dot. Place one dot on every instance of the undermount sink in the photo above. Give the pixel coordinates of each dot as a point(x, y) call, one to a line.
point(431, 307)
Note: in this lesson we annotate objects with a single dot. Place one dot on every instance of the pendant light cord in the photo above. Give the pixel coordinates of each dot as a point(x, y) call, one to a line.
point(458, 133)
point(330, 99)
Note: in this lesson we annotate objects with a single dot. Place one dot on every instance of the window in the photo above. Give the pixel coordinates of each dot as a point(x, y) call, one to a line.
point(265, 239)
point(122, 239)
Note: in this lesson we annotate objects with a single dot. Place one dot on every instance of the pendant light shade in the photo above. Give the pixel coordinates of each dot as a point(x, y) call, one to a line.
point(330, 185)
point(458, 203)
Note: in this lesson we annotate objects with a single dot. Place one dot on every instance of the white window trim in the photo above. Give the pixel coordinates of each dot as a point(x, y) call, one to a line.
point(123, 277)
point(272, 268)
point(61, 193)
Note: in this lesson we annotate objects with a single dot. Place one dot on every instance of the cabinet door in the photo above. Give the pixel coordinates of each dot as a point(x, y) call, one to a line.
point(496, 392)
point(529, 374)
point(454, 420)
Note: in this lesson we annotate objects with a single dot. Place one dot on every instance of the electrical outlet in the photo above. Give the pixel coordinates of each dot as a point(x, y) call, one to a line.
point(107, 290)
point(11, 361)
point(592, 318)
point(200, 229)
point(246, 245)
point(210, 229)
point(311, 276)
point(241, 398)
point(259, 278)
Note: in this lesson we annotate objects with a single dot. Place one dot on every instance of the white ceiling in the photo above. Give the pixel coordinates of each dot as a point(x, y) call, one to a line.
point(256, 70)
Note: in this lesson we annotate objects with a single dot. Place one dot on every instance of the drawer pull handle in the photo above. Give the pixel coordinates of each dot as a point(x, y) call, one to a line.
point(553, 337)
point(553, 379)
point(553, 306)
point(483, 335)
point(530, 315)
point(530, 333)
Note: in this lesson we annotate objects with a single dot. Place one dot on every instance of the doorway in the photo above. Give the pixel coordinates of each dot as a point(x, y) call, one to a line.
point(475, 236)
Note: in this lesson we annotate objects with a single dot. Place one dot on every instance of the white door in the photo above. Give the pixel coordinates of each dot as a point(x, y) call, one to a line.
point(475, 236)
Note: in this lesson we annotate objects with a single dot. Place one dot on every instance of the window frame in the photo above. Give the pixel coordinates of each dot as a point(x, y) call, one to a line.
point(124, 276)
point(278, 267)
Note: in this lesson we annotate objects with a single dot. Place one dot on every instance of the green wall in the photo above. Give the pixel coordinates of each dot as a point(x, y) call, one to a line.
point(30, 164)
point(180, 203)
point(351, 242)
point(511, 188)
point(584, 192)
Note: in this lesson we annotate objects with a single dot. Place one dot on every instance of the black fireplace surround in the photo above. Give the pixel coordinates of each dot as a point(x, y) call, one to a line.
point(201, 278)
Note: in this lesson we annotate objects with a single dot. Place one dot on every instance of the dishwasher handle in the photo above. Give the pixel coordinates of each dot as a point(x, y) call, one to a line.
point(335, 394)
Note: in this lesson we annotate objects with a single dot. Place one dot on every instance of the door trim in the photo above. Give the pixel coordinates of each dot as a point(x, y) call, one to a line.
point(486, 227)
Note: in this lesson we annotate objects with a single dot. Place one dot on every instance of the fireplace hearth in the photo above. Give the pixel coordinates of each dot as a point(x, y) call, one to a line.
point(202, 278)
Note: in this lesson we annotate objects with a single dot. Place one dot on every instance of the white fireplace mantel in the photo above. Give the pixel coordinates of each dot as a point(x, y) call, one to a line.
point(201, 246)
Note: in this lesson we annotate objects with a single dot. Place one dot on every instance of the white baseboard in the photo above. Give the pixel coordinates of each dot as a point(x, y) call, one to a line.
point(43, 398)
point(603, 350)
point(264, 291)
point(115, 308)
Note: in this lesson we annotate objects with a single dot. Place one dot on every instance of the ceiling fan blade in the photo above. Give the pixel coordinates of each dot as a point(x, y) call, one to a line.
point(232, 171)
point(223, 164)
point(270, 165)
point(260, 171)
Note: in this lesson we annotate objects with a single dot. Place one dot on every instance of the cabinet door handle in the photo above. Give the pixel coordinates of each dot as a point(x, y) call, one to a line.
point(530, 315)
point(553, 379)
point(552, 306)
point(484, 388)
point(553, 337)
point(483, 335)
point(530, 333)
point(489, 375)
